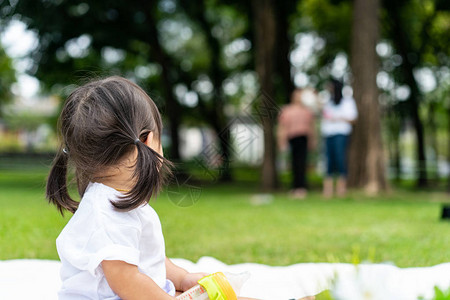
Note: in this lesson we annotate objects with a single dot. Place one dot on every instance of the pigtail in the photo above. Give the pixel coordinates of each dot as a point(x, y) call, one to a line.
point(57, 193)
point(150, 174)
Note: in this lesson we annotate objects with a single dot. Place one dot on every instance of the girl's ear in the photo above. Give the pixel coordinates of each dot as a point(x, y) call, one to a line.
point(149, 140)
point(153, 143)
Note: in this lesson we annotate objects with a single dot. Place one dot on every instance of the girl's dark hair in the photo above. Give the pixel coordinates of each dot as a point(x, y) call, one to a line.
point(101, 122)
point(337, 90)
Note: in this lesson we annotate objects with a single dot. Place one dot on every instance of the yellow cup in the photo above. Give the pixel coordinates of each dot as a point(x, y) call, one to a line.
point(218, 287)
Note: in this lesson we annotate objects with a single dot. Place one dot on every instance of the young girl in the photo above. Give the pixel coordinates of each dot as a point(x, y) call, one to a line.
point(113, 246)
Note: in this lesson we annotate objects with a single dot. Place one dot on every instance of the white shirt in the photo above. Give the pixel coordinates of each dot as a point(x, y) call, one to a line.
point(345, 110)
point(97, 232)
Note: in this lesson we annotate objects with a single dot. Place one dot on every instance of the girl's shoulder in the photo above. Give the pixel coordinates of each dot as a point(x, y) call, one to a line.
point(96, 215)
point(96, 205)
point(98, 196)
point(102, 197)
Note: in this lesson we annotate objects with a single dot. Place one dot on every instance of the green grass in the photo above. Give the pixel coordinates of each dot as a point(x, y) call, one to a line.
point(402, 226)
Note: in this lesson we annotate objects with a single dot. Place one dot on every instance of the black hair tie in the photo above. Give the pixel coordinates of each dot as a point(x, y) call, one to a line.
point(136, 141)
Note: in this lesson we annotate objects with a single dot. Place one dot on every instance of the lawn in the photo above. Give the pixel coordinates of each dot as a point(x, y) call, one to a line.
point(234, 224)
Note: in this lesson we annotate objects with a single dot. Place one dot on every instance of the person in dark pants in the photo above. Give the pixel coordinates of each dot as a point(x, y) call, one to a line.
point(299, 151)
point(296, 128)
point(338, 115)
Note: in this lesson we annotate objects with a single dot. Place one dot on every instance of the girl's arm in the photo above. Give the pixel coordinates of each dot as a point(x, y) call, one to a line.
point(128, 283)
point(175, 274)
point(312, 139)
point(182, 279)
point(282, 138)
point(281, 131)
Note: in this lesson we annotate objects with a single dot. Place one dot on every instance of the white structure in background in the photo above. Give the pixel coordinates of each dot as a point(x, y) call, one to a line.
point(246, 142)
point(247, 136)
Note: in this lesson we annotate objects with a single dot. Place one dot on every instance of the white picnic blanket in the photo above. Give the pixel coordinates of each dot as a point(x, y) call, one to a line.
point(39, 279)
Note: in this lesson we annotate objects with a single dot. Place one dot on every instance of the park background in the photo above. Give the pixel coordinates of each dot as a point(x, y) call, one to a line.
point(220, 71)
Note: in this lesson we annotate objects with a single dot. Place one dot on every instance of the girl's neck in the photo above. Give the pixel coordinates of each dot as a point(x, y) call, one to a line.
point(121, 185)
point(118, 177)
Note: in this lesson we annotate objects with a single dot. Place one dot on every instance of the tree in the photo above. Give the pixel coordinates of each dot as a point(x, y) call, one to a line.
point(418, 31)
point(352, 31)
point(366, 168)
point(403, 45)
point(75, 35)
point(215, 114)
point(285, 13)
point(264, 24)
point(331, 20)
point(100, 29)
point(173, 107)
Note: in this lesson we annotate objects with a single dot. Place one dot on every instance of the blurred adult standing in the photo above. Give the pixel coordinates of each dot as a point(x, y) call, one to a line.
point(296, 129)
point(337, 118)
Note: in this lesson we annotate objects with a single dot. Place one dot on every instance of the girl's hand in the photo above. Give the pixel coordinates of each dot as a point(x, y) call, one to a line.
point(190, 279)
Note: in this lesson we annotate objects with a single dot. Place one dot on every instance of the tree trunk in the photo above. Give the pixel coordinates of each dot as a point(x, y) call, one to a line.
point(172, 109)
point(393, 120)
point(397, 159)
point(422, 180)
point(367, 163)
point(448, 148)
point(285, 84)
point(432, 132)
point(404, 47)
point(264, 23)
point(224, 135)
point(217, 113)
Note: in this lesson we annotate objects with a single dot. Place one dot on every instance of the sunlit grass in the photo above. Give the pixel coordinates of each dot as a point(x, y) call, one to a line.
point(401, 227)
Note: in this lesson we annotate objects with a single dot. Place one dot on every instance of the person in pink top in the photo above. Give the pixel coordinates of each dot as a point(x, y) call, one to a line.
point(296, 128)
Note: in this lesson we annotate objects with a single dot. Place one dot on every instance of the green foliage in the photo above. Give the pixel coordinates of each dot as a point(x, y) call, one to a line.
point(331, 20)
point(7, 78)
point(418, 30)
point(10, 143)
point(324, 295)
point(119, 29)
point(74, 36)
point(441, 294)
point(192, 38)
point(25, 120)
